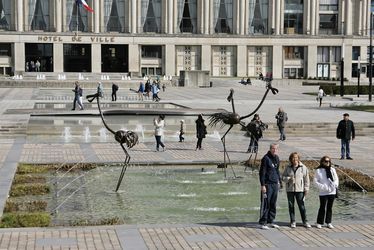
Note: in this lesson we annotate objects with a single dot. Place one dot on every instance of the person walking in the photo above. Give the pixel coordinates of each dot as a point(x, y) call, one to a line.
point(327, 182)
point(271, 182)
point(114, 92)
point(255, 127)
point(296, 178)
point(159, 124)
point(155, 91)
point(282, 118)
point(200, 131)
point(320, 95)
point(141, 91)
point(100, 90)
point(77, 91)
point(181, 131)
point(345, 131)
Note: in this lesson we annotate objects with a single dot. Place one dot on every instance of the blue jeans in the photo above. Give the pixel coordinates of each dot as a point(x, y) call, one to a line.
point(345, 150)
point(269, 204)
point(282, 133)
point(159, 142)
point(300, 203)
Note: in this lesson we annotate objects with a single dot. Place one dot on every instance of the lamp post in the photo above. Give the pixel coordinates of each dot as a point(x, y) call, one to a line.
point(342, 72)
point(358, 77)
point(370, 56)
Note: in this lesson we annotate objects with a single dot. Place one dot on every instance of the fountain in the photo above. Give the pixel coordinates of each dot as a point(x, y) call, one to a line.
point(66, 135)
point(103, 135)
point(87, 134)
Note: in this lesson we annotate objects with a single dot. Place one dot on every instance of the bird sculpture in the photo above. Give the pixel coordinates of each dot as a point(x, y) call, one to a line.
point(233, 118)
point(129, 138)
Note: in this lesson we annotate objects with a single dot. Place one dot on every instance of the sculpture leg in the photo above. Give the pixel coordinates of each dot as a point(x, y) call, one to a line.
point(124, 168)
point(225, 154)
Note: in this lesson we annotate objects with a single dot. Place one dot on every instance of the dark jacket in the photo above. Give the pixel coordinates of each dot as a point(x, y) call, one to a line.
point(345, 130)
point(200, 128)
point(281, 119)
point(269, 170)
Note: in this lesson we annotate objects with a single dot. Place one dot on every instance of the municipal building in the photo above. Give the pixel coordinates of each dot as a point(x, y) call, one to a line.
point(228, 38)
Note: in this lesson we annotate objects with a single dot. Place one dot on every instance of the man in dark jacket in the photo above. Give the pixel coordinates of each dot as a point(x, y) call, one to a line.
point(270, 180)
point(344, 132)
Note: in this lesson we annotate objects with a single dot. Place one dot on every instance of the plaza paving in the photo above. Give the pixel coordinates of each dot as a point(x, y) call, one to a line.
point(16, 145)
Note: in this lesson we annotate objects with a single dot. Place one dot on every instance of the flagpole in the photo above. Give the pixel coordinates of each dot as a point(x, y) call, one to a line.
point(77, 15)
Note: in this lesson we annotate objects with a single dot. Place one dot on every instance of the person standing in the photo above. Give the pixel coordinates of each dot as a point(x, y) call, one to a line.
point(271, 182)
point(345, 131)
point(282, 118)
point(200, 131)
point(320, 96)
point(255, 127)
point(296, 178)
point(159, 124)
point(37, 66)
point(100, 90)
point(114, 92)
point(181, 131)
point(327, 182)
point(77, 91)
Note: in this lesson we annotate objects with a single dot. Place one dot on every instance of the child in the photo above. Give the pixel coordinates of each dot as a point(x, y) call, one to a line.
point(181, 131)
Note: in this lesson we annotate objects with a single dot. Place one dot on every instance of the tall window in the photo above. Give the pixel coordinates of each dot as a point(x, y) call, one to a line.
point(5, 14)
point(323, 55)
point(328, 16)
point(76, 17)
point(258, 16)
point(187, 16)
point(355, 52)
point(223, 13)
point(151, 15)
point(39, 15)
point(114, 15)
point(293, 16)
point(291, 52)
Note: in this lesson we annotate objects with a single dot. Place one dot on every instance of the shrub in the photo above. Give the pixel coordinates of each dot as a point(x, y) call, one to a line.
point(27, 206)
point(29, 189)
point(26, 178)
point(32, 169)
point(25, 220)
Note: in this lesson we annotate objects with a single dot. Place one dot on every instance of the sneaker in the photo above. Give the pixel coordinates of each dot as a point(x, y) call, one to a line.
point(349, 158)
point(342, 158)
point(163, 148)
point(293, 225)
point(274, 225)
point(319, 226)
point(307, 225)
point(329, 225)
point(264, 227)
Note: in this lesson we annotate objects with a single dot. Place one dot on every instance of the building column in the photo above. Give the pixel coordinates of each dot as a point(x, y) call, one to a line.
point(241, 64)
point(348, 20)
point(241, 9)
point(363, 15)
point(58, 57)
point(96, 58)
point(20, 15)
point(312, 61)
point(58, 15)
point(307, 17)
point(170, 10)
point(206, 58)
point(211, 16)
point(277, 61)
point(134, 60)
point(133, 17)
point(246, 16)
point(19, 57)
point(313, 13)
point(277, 17)
point(97, 6)
point(347, 60)
point(206, 17)
point(170, 59)
point(341, 23)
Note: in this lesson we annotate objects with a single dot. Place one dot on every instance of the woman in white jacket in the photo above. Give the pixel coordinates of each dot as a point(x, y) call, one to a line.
point(296, 178)
point(327, 182)
point(159, 131)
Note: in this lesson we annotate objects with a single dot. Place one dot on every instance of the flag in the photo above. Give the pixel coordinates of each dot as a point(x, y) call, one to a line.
point(85, 5)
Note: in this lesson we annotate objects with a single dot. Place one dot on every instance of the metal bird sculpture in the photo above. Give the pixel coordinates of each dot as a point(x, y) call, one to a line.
point(129, 138)
point(233, 118)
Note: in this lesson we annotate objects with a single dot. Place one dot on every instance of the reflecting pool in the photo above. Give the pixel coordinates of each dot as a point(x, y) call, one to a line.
point(178, 194)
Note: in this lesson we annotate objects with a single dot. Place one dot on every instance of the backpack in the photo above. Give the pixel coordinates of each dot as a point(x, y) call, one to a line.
point(115, 86)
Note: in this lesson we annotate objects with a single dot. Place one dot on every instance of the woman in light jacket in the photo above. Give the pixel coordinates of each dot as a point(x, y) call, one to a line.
point(159, 124)
point(327, 182)
point(296, 178)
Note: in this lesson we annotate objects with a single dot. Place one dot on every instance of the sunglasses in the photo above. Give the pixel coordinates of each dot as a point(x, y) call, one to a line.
point(327, 161)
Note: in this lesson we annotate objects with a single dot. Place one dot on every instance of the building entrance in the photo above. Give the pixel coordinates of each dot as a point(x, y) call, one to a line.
point(77, 58)
point(39, 57)
point(114, 58)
